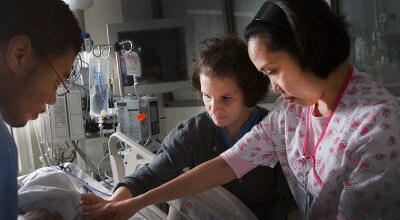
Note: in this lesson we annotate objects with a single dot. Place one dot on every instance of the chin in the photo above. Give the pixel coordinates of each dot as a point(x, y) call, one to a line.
point(220, 124)
point(20, 123)
point(17, 122)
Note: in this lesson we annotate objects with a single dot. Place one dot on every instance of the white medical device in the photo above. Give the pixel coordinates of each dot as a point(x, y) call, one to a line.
point(217, 203)
point(63, 121)
point(138, 117)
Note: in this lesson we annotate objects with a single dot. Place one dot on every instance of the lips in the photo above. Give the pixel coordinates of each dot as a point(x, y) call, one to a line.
point(35, 115)
point(288, 98)
point(219, 117)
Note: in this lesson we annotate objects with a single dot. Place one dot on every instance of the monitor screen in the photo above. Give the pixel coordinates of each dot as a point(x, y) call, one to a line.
point(165, 48)
point(162, 54)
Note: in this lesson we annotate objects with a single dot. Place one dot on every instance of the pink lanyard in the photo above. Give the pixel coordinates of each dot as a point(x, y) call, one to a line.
point(312, 155)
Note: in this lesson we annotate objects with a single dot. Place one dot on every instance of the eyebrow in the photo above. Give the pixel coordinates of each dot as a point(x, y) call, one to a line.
point(264, 67)
point(273, 62)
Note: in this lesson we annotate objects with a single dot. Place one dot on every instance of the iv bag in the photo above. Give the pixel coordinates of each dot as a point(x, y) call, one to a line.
point(130, 62)
point(99, 87)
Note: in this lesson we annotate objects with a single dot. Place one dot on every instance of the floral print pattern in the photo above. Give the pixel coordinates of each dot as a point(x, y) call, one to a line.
point(357, 160)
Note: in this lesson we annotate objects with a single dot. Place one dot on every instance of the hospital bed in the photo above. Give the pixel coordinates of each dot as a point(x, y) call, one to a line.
point(217, 203)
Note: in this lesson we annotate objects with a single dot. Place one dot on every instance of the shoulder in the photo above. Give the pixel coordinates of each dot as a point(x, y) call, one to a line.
point(283, 110)
point(363, 94)
point(198, 122)
point(370, 112)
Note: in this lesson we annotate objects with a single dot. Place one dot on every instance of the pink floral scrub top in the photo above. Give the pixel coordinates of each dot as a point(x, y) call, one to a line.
point(352, 168)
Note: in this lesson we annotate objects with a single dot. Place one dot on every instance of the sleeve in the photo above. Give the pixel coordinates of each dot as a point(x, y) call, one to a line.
point(9, 171)
point(371, 187)
point(253, 149)
point(173, 156)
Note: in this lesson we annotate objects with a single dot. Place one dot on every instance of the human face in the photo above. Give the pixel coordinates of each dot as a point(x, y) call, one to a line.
point(35, 88)
point(224, 102)
point(285, 75)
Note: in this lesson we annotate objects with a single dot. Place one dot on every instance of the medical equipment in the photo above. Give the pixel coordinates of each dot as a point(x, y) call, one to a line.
point(104, 51)
point(99, 87)
point(62, 121)
point(87, 42)
point(138, 117)
point(217, 203)
point(166, 52)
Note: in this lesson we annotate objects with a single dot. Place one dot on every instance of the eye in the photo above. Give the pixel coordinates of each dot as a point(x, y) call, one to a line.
point(226, 98)
point(206, 96)
point(269, 73)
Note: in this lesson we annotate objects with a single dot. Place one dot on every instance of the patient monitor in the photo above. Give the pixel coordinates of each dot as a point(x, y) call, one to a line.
point(217, 203)
point(138, 117)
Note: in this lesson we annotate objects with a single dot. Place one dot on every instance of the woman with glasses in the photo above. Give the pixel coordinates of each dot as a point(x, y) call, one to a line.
point(334, 130)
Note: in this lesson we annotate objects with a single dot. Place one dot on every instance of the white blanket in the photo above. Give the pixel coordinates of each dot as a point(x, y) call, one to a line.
point(53, 191)
point(57, 190)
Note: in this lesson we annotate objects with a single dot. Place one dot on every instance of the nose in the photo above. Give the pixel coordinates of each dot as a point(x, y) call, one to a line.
point(215, 106)
point(275, 87)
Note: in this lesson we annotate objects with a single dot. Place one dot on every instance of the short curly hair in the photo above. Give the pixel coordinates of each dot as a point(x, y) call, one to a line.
point(227, 56)
point(50, 25)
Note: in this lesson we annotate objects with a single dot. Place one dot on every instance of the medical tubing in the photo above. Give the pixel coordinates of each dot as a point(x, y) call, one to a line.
point(83, 155)
point(83, 182)
point(98, 170)
point(45, 163)
point(117, 50)
point(149, 126)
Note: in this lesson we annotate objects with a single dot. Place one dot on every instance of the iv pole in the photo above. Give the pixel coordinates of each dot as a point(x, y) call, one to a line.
point(105, 50)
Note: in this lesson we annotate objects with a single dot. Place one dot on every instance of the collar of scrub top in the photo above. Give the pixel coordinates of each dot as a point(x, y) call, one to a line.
point(248, 125)
point(272, 13)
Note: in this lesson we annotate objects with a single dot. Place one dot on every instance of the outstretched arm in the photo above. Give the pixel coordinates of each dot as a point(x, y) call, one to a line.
point(203, 177)
point(210, 174)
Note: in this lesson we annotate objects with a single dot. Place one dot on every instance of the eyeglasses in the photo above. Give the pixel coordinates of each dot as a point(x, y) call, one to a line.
point(62, 89)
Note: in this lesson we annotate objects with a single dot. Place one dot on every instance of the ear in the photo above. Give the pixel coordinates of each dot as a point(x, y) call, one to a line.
point(19, 54)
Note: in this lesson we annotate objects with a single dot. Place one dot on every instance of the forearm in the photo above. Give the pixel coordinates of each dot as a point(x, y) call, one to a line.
point(121, 193)
point(203, 177)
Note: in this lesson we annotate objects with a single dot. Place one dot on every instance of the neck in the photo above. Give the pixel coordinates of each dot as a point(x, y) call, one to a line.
point(233, 129)
point(333, 84)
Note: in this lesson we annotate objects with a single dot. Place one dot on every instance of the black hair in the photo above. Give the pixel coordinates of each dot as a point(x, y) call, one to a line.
point(227, 56)
point(50, 25)
point(315, 38)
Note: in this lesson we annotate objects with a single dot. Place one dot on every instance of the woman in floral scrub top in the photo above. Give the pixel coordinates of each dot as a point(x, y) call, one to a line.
point(334, 130)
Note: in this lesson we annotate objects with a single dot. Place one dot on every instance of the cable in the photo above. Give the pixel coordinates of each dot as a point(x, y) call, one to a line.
point(86, 159)
point(44, 158)
point(83, 182)
point(98, 170)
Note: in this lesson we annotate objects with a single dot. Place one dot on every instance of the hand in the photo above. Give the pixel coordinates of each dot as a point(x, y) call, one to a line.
point(121, 210)
point(41, 214)
point(90, 202)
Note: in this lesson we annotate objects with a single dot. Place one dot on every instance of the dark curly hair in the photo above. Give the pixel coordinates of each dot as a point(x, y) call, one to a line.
point(315, 38)
point(50, 25)
point(227, 56)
